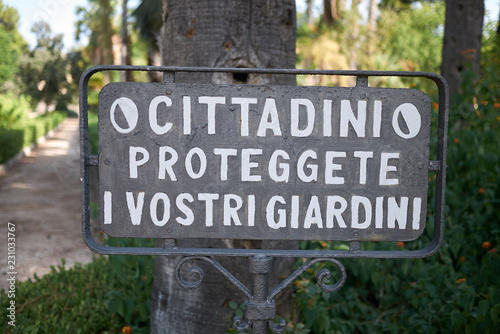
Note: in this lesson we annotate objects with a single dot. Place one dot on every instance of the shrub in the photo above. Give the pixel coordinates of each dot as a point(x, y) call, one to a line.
point(26, 132)
point(101, 297)
point(13, 110)
point(64, 301)
point(11, 142)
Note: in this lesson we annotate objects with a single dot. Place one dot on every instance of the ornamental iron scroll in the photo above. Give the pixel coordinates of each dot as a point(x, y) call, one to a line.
point(260, 307)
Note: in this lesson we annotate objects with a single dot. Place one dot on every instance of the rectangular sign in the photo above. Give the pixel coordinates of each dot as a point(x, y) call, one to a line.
point(263, 162)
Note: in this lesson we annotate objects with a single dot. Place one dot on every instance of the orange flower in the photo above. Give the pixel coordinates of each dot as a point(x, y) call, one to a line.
point(310, 302)
point(498, 118)
point(486, 244)
point(435, 105)
point(401, 244)
point(461, 280)
point(493, 251)
point(461, 259)
point(143, 278)
point(481, 191)
point(323, 244)
point(456, 140)
point(126, 329)
point(413, 85)
point(483, 102)
point(496, 105)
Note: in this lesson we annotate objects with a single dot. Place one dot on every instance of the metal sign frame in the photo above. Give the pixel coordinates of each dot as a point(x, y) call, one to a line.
point(170, 249)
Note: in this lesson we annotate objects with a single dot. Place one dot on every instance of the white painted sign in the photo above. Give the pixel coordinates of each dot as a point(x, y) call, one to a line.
point(263, 162)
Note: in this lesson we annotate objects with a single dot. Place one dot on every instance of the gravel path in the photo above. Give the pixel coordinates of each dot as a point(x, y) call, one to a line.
point(41, 196)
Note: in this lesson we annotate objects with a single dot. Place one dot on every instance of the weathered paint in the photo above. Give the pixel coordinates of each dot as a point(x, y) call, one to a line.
point(263, 162)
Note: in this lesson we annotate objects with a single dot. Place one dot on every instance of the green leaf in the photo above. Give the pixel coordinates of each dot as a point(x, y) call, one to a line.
point(495, 312)
point(128, 310)
point(484, 307)
point(456, 319)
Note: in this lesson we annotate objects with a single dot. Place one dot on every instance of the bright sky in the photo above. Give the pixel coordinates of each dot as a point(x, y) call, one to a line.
point(62, 17)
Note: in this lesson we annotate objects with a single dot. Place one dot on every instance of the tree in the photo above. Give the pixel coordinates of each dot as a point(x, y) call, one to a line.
point(372, 26)
point(332, 10)
point(372, 16)
point(220, 34)
point(397, 5)
point(12, 45)
point(498, 24)
point(410, 39)
point(43, 71)
point(462, 40)
point(148, 22)
point(96, 22)
point(309, 14)
point(126, 47)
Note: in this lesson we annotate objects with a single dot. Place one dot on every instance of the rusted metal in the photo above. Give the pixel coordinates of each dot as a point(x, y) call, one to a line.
point(434, 166)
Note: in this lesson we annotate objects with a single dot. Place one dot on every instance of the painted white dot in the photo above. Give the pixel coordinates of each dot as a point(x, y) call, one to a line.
point(412, 118)
point(129, 110)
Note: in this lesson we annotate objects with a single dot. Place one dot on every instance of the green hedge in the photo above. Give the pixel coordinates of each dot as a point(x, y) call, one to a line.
point(11, 142)
point(27, 132)
point(105, 296)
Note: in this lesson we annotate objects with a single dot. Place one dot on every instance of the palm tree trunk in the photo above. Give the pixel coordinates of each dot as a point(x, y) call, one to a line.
point(218, 33)
point(462, 40)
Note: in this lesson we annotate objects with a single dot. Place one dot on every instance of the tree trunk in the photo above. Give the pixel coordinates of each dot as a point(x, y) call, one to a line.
point(126, 56)
point(462, 40)
point(372, 16)
point(331, 11)
point(106, 34)
point(154, 59)
point(309, 14)
point(221, 33)
point(372, 26)
point(498, 24)
point(354, 37)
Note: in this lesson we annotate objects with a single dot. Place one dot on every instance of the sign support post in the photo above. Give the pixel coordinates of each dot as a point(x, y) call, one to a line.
point(260, 308)
point(396, 137)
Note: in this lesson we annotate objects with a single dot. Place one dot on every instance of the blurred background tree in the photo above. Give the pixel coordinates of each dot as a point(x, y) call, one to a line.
point(95, 20)
point(463, 33)
point(43, 71)
point(12, 45)
point(148, 22)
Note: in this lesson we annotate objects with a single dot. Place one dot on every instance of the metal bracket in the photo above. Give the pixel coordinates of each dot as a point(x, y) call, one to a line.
point(434, 166)
point(260, 307)
point(355, 249)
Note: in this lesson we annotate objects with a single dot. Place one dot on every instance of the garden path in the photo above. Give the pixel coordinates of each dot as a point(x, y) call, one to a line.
point(41, 196)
